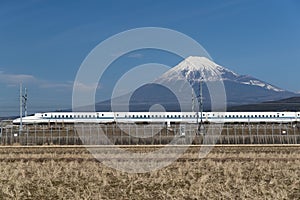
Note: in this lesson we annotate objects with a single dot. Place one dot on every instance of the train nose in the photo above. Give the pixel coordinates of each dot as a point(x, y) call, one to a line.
point(16, 121)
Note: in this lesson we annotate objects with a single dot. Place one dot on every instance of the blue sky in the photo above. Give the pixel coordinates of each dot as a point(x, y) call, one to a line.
point(43, 43)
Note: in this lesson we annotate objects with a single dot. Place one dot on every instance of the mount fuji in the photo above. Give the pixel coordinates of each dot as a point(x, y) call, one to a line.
point(239, 89)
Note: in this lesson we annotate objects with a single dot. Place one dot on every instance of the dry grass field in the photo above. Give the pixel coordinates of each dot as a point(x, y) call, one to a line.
point(228, 172)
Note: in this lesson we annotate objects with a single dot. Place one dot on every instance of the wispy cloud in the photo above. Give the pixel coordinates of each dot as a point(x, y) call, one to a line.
point(84, 87)
point(15, 79)
point(47, 84)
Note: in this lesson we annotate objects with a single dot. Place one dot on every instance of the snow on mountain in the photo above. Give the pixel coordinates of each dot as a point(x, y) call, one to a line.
point(193, 68)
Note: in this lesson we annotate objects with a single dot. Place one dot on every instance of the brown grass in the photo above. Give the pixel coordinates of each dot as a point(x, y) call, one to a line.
point(226, 173)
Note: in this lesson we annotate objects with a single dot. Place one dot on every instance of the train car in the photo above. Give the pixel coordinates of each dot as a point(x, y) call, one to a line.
point(158, 117)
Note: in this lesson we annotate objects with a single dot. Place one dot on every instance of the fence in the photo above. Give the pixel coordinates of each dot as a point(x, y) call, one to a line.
point(138, 134)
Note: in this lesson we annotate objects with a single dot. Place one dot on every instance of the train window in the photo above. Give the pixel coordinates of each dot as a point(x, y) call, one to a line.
point(282, 114)
point(168, 116)
point(102, 115)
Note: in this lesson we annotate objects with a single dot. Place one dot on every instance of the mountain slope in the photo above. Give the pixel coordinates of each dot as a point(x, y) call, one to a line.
point(240, 89)
point(289, 104)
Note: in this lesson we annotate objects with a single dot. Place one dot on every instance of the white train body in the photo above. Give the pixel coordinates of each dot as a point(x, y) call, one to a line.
point(158, 117)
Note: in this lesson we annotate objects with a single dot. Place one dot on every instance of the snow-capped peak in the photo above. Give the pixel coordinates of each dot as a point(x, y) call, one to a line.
point(193, 68)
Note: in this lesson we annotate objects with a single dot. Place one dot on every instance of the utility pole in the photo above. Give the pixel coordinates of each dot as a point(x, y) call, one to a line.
point(21, 111)
point(201, 126)
point(193, 101)
point(23, 104)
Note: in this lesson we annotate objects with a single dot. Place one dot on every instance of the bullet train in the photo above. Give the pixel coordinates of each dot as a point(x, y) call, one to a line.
point(159, 117)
